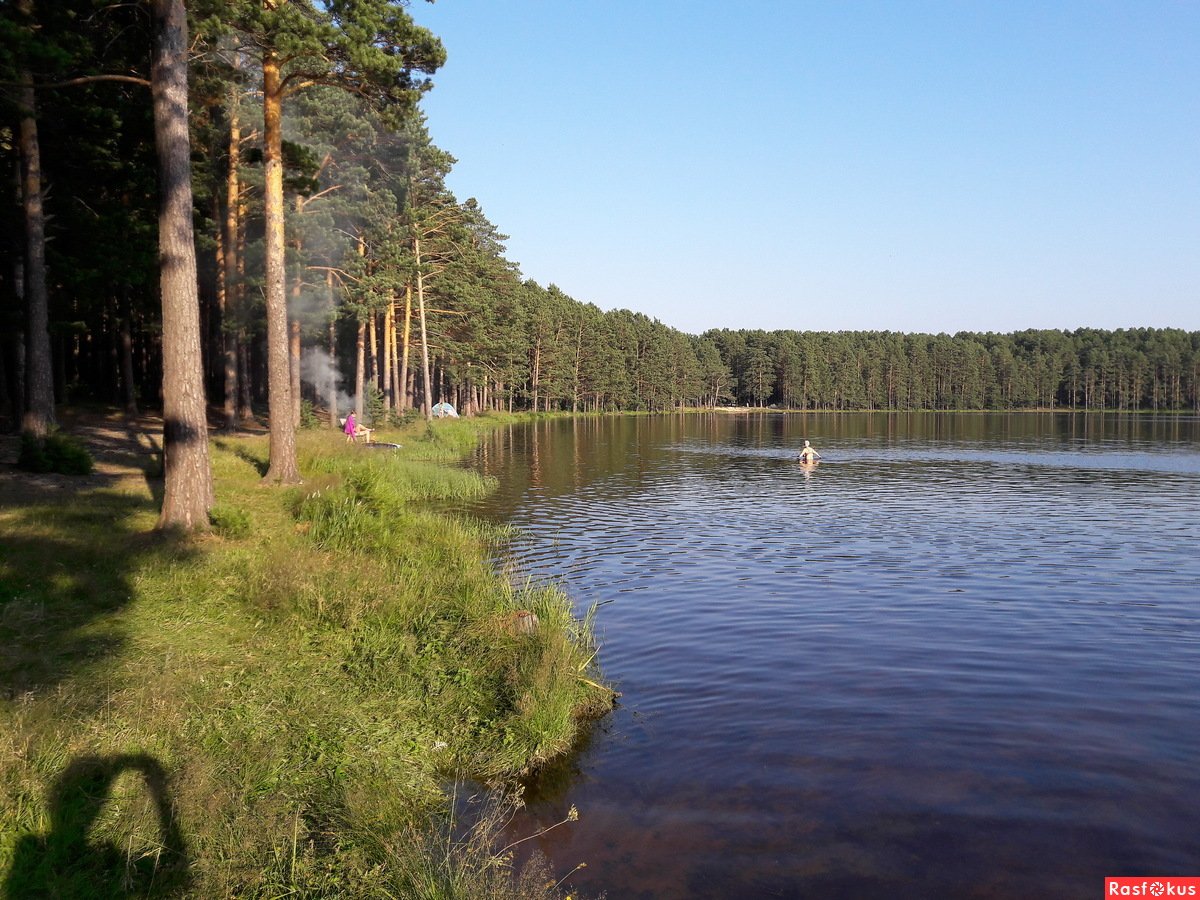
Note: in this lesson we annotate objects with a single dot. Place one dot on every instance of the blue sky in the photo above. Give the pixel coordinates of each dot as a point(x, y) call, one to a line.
point(908, 166)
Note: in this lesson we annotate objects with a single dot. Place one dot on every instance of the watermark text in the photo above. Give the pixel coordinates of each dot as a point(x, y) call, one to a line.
point(1152, 886)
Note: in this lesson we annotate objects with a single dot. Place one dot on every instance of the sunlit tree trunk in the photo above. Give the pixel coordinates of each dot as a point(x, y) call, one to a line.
point(187, 493)
point(373, 343)
point(405, 395)
point(282, 467)
point(395, 353)
point(428, 399)
point(389, 329)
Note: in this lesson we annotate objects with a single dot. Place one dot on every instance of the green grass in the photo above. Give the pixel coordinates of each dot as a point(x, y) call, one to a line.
point(275, 709)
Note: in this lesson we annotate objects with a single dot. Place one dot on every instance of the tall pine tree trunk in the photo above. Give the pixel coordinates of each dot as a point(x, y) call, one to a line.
point(331, 375)
point(535, 373)
point(395, 361)
point(282, 468)
point(405, 394)
point(232, 311)
point(294, 325)
point(373, 342)
point(15, 355)
point(360, 351)
point(187, 494)
point(294, 368)
point(245, 379)
point(389, 334)
point(128, 386)
point(39, 380)
point(245, 340)
point(428, 399)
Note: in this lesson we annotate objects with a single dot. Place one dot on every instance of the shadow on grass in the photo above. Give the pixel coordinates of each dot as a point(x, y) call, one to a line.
point(65, 573)
point(66, 863)
point(261, 464)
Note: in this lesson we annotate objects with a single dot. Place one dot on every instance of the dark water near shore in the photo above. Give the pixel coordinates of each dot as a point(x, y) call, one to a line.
point(959, 658)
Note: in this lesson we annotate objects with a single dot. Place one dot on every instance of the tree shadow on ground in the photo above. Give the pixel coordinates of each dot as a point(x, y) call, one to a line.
point(260, 464)
point(67, 863)
point(65, 574)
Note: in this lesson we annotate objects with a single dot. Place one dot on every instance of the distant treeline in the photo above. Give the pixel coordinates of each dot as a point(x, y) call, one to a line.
point(1126, 369)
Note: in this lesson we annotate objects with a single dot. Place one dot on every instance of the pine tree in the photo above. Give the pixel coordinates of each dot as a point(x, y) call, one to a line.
point(187, 493)
point(367, 47)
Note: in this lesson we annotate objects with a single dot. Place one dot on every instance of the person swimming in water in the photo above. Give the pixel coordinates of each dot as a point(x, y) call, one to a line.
point(809, 454)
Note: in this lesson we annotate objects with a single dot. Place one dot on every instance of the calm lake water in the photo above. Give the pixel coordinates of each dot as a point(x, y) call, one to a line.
point(959, 658)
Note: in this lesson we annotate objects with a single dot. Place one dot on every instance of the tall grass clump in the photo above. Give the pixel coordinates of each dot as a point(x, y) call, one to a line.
point(462, 858)
point(56, 452)
point(273, 709)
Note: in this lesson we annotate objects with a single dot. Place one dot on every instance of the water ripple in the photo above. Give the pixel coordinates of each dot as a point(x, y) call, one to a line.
point(898, 672)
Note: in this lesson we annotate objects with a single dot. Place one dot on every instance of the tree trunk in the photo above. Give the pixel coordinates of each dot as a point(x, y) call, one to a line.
point(282, 468)
point(187, 494)
point(15, 358)
point(428, 401)
point(232, 311)
point(294, 364)
point(389, 333)
point(39, 382)
point(395, 353)
point(360, 352)
point(405, 395)
point(535, 373)
point(245, 381)
point(214, 351)
point(332, 374)
point(128, 386)
point(373, 342)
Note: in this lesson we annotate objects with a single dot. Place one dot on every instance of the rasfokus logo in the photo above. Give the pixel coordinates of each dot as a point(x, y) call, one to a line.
point(1153, 886)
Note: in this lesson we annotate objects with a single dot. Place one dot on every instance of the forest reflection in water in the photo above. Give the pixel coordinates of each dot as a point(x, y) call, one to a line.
point(957, 657)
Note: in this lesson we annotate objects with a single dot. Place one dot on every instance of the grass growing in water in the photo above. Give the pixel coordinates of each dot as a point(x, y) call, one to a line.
point(273, 710)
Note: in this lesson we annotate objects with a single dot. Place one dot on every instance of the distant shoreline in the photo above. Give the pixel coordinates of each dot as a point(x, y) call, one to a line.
point(744, 410)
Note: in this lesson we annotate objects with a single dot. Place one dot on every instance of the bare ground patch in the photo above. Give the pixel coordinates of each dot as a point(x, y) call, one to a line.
point(126, 451)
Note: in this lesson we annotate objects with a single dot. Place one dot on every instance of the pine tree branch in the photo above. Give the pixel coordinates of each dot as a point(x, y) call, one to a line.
point(84, 79)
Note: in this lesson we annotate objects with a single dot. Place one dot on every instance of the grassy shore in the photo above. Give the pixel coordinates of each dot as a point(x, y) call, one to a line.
point(275, 709)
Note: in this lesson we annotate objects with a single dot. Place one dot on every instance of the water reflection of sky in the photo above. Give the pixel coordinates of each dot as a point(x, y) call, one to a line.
point(1181, 459)
point(926, 667)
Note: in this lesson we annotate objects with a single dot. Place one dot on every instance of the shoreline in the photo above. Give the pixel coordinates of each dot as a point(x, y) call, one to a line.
point(295, 688)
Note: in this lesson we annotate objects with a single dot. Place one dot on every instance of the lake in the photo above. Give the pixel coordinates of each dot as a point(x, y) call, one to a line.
point(958, 658)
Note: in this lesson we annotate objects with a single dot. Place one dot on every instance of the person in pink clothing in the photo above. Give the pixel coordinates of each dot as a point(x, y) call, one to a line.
point(351, 427)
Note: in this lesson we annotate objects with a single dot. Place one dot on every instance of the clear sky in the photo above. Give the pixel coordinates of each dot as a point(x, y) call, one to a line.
point(909, 166)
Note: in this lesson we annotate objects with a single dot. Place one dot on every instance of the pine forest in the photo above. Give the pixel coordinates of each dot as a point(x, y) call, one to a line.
point(336, 271)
